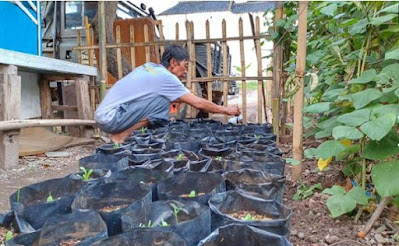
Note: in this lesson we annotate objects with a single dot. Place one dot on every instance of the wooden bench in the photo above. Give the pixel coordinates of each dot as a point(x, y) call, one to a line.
point(46, 70)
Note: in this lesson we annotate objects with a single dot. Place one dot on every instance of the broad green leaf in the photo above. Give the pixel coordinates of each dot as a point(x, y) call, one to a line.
point(346, 132)
point(329, 149)
point(382, 19)
point(331, 94)
point(392, 54)
point(314, 57)
point(390, 9)
point(397, 92)
point(359, 195)
point(359, 27)
point(317, 108)
point(340, 204)
point(292, 161)
point(329, 9)
point(361, 99)
point(385, 177)
point(323, 134)
point(351, 149)
point(310, 153)
point(280, 22)
point(335, 190)
point(355, 118)
point(380, 110)
point(380, 150)
point(379, 128)
point(366, 77)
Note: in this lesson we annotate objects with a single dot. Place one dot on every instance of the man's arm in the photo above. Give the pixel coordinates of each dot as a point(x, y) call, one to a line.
point(208, 106)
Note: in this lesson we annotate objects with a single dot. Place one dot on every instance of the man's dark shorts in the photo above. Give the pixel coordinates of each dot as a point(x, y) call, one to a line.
point(155, 109)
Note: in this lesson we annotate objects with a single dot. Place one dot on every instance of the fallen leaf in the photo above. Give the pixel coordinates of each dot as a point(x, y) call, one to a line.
point(322, 164)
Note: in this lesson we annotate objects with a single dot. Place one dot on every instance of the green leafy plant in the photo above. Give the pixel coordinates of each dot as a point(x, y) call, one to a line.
point(257, 136)
point(218, 158)
point(116, 145)
point(304, 192)
point(86, 174)
point(143, 130)
point(9, 236)
point(192, 194)
point(176, 211)
point(148, 225)
point(50, 197)
point(18, 195)
point(164, 223)
point(248, 217)
point(180, 157)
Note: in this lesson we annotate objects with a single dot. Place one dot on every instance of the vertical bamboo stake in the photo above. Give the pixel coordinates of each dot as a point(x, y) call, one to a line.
point(146, 39)
point(190, 68)
point(118, 51)
point(179, 105)
point(90, 54)
point(260, 82)
point(102, 51)
point(208, 65)
point(79, 37)
point(225, 67)
point(193, 69)
point(161, 37)
point(243, 72)
point(278, 67)
point(177, 31)
point(132, 49)
point(297, 148)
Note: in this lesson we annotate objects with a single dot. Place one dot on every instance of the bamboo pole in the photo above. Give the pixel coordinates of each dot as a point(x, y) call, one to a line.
point(243, 72)
point(132, 49)
point(177, 31)
point(277, 69)
point(146, 39)
point(89, 37)
point(208, 65)
point(161, 36)
point(297, 147)
point(79, 37)
point(225, 67)
point(179, 108)
point(18, 124)
point(102, 51)
point(189, 72)
point(261, 87)
point(118, 51)
point(193, 69)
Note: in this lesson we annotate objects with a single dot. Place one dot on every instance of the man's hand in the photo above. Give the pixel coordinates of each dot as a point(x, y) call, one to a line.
point(233, 110)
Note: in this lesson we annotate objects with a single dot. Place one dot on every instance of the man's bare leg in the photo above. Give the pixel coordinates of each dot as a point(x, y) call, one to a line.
point(120, 137)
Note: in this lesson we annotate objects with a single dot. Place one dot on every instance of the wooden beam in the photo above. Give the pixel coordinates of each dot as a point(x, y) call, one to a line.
point(118, 51)
point(18, 124)
point(10, 109)
point(102, 51)
point(64, 108)
point(277, 70)
point(225, 68)
point(297, 146)
point(132, 49)
point(193, 69)
point(45, 98)
point(208, 64)
point(243, 72)
point(146, 39)
point(261, 91)
point(190, 68)
point(83, 102)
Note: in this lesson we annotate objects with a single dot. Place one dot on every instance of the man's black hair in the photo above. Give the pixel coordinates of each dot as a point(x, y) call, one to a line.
point(174, 51)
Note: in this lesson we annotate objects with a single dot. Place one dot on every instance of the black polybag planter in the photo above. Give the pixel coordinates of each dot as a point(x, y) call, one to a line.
point(25, 239)
point(180, 165)
point(269, 163)
point(229, 202)
point(143, 237)
point(149, 177)
point(6, 218)
point(243, 235)
point(102, 161)
point(184, 183)
point(96, 176)
point(33, 210)
point(194, 221)
point(202, 165)
point(110, 148)
point(256, 183)
point(129, 194)
point(158, 164)
point(220, 158)
point(84, 226)
point(257, 129)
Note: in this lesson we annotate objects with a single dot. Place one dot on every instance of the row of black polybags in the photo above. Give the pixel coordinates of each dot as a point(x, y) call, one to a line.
point(175, 185)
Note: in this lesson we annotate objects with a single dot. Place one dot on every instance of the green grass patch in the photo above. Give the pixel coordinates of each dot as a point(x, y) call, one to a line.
point(251, 85)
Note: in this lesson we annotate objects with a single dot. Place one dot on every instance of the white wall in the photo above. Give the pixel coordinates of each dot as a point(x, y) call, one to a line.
point(30, 95)
point(215, 23)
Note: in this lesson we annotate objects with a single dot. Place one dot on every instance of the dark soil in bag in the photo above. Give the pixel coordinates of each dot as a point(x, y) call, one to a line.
point(158, 164)
point(236, 207)
point(256, 183)
point(145, 176)
point(191, 223)
point(96, 175)
point(180, 159)
point(102, 161)
point(191, 186)
point(77, 228)
point(220, 158)
point(143, 237)
point(146, 151)
point(257, 129)
point(34, 204)
point(269, 163)
point(25, 239)
point(243, 235)
point(112, 200)
point(112, 148)
point(202, 165)
point(150, 145)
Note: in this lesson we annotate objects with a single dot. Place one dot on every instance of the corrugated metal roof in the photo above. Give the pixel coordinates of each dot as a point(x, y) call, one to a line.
point(190, 7)
point(248, 7)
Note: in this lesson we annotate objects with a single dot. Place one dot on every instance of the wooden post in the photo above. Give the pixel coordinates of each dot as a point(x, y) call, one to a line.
point(146, 39)
point(243, 72)
point(102, 50)
point(10, 109)
point(193, 69)
point(82, 101)
point(177, 31)
point(297, 147)
point(277, 70)
point(89, 36)
point(225, 68)
point(161, 36)
point(45, 98)
point(132, 49)
point(190, 68)
point(79, 39)
point(118, 51)
point(180, 107)
point(208, 65)
point(260, 82)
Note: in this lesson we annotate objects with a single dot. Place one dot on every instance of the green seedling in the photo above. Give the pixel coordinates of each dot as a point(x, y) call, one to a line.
point(18, 195)
point(248, 217)
point(143, 130)
point(257, 136)
point(149, 225)
point(50, 197)
point(218, 158)
point(164, 223)
point(86, 174)
point(180, 157)
point(304, 192)
point(9, 236)
point(192, 194)
point(176, 211)
point(116, 145)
